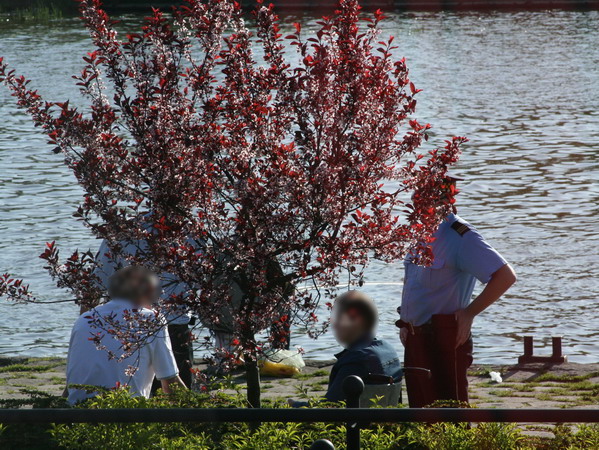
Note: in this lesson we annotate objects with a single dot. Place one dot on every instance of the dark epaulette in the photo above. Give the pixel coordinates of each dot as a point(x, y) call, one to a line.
point(460, 227)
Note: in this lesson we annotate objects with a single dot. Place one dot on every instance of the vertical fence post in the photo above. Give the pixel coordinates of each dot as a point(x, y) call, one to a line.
point(353, 386)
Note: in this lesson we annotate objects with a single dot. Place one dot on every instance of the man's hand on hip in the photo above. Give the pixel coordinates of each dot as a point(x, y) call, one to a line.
point(464, 319)
point(500, 282)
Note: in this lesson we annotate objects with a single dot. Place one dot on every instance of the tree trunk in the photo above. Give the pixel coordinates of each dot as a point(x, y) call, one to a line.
point(253, 381)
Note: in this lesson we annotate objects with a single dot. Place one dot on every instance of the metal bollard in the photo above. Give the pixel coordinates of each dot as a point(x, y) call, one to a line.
point(353, 386)
point(556, 346)
point(322, 444)
point(528, 346)
point(556, 357)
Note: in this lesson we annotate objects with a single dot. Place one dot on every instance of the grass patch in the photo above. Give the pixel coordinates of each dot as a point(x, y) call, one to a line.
point(491, 384)
point(483, 371)
point(564, 378)
point(307, 376)
point(592, 396)
point(554, 397)
point(30, 368)
point(303, 376)
point(529, 387)
point(584, 386)
point(502, 393)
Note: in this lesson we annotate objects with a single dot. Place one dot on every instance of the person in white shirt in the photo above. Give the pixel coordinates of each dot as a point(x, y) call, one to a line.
point(179, 318)
point(97, 357)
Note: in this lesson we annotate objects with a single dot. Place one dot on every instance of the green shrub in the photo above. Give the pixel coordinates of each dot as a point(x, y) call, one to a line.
point(461, 436)
point(487, 436)
point(149, 435)
point(443, 436)
point(171, 436)
point(268, 435)
point(26, 436)
point(585, 437)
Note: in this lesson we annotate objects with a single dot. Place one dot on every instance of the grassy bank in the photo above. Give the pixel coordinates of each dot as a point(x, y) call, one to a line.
point(54, 9)
point(36, 11)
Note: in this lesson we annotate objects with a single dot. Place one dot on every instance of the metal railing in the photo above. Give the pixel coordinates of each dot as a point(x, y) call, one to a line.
point(353, 416)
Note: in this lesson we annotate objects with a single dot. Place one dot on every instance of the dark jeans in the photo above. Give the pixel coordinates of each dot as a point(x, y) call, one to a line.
point(433, 347)
point(180, 337)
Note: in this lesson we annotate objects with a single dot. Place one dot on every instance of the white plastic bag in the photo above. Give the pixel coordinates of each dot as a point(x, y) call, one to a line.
point(496, 377)
point(281, 363)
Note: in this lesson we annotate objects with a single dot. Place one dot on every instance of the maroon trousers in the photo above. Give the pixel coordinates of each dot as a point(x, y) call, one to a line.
point(433, 347)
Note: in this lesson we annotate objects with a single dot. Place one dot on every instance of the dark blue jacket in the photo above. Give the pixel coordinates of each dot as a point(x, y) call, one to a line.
point(367, 356)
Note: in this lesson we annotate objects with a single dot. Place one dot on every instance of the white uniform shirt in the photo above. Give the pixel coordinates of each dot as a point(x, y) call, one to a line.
point(460, 258)
point(88, 365)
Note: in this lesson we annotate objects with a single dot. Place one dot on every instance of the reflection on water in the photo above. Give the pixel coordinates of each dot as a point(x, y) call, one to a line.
point(522, 86)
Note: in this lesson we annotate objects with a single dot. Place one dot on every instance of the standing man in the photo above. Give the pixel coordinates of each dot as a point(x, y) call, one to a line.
point(132, 292)
point(436, 311)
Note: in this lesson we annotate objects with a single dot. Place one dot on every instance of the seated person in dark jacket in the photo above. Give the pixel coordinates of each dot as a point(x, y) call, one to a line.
point(354, 320)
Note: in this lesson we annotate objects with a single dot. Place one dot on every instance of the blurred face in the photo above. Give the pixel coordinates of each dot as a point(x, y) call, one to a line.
point(348, 326)
point(146, 289)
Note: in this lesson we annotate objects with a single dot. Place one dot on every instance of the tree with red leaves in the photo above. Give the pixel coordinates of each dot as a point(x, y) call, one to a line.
point(243, 157)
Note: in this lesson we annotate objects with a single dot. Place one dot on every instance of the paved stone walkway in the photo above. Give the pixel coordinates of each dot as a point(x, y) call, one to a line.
point(566, 385)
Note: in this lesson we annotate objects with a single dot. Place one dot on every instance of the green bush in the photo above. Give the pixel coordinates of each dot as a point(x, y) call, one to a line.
point(585, 437)
point(267, 436)
point(150, 435)
point(17, 436)
point(485, 436)
point(171, 436)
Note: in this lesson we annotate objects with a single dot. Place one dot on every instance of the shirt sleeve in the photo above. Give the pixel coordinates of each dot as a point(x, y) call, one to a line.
point(478, 258)
point(70, 353)
point(163, 359)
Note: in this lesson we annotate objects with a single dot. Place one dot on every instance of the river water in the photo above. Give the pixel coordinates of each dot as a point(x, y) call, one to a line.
point(524, 87)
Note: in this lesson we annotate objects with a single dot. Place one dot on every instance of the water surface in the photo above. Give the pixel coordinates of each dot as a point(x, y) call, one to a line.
point(524, 87)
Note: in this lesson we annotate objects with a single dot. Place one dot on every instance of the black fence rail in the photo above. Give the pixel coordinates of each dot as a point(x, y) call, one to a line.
point(359, 415)
point(353, 417)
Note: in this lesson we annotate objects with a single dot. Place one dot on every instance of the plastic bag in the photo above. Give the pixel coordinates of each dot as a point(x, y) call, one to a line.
point(281, 363)
point(496, 377)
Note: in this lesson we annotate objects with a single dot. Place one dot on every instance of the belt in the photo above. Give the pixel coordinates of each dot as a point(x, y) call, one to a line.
point(421, 329)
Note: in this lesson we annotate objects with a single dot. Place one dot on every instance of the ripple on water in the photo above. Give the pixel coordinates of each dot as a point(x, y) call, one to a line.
point(519, 85)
